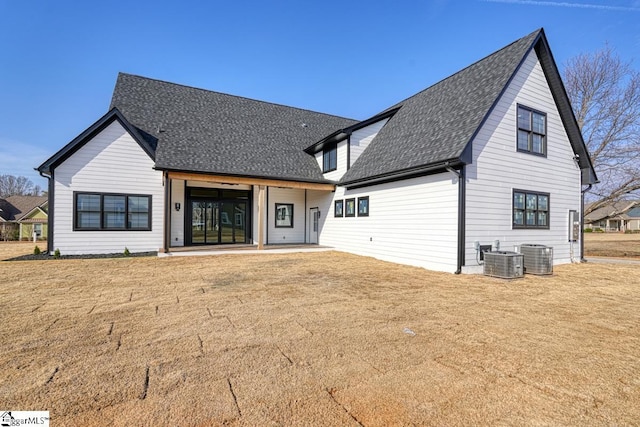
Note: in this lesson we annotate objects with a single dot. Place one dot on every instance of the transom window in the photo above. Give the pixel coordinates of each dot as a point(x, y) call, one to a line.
point(532, 131)
point(530, 209)
point(105, 211)
point(330, 158)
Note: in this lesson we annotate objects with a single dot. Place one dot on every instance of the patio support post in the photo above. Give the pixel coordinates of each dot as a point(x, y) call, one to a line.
point(261, 214)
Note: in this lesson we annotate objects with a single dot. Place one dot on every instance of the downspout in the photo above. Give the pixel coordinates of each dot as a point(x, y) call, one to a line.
point(167, 213)
point(461, 214)
point(50, 212)
point(582, 258)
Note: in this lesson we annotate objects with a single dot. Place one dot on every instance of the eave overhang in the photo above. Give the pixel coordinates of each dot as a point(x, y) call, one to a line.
point(423, 170)
point(251, 180)
point(342, 134)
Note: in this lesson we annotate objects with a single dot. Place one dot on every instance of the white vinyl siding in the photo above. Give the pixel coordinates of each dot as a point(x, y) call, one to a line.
point(361, 138)
point(111, 162)
point(498, 169)
point(350, 149)
point(410, 222)
point(293, 234)
point(341, 162)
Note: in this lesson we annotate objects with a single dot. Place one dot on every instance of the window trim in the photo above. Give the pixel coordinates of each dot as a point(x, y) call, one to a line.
point(336, 213)
point(76, 226)
point(290, 225)
point(532, 132)
point(351, 201)
point(367, 211)
point(326, 153)
point(524, 226)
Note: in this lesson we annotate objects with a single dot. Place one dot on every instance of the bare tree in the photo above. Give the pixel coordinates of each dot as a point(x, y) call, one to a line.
point(605, 94)
point(11, 185)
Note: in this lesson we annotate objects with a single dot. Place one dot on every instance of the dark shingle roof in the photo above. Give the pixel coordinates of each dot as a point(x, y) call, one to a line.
point(436, 124)
point(14, 208)
point(204, 131)
point(623, 209)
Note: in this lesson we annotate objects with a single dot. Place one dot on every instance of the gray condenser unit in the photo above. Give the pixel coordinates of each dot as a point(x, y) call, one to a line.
point(538, 259)
point(503, 264)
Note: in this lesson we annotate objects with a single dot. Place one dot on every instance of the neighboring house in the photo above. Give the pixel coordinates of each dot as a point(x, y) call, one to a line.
point(21, 216)
point(619, 216)
point(492, 153)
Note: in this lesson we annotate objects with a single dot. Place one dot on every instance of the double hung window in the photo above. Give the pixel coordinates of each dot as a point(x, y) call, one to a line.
point(532, 131)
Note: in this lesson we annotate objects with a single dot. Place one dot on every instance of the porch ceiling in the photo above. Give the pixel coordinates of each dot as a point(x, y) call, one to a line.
point(222, 179)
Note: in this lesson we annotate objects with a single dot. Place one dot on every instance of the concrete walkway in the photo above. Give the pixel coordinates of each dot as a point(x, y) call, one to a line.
point(247, 250)
point(606, 260)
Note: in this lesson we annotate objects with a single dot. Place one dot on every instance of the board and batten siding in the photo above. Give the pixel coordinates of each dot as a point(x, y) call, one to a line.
point(111, 162)
point(279, 235)
point(411, 222)
point(498, 168)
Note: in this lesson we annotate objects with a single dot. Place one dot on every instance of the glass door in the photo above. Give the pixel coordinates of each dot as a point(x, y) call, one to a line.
point(216, 216)
point(233, 222)
point(204, 222)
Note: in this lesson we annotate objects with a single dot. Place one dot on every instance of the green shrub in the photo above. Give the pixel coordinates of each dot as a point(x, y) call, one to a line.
point(126, 251)
point(36, 250)
point(56, 253)
point(588, 230)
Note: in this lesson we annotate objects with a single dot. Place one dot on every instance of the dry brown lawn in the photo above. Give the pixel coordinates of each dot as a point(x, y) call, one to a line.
point(618, 245)
point(316, 339)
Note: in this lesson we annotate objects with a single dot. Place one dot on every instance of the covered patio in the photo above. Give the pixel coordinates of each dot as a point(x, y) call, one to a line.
point(206, 212)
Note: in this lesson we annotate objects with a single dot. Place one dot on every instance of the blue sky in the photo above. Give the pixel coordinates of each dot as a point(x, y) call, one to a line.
point(59, 59)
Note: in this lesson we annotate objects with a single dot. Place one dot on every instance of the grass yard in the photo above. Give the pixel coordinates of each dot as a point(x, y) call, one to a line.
point(612, 245)
point(315, 339)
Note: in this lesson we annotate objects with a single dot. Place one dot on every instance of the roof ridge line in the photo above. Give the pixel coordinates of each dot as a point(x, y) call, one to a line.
point(234, 96)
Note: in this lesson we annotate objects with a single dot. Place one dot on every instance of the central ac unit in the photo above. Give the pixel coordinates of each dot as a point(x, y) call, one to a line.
point(503, 264)
point(538, 259)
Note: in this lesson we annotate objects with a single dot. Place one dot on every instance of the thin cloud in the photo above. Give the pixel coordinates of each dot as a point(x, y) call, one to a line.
point(569, 5)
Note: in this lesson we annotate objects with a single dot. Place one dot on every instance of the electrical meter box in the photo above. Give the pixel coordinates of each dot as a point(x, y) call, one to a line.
point(574, 226)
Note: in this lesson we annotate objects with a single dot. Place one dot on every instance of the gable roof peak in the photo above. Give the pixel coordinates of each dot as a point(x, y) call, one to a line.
point(435, 126)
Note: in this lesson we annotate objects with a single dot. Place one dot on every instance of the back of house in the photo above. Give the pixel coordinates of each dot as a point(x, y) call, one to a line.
point(492, 155)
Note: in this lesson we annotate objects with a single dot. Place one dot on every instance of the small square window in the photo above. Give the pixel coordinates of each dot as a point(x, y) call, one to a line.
point(363, 206)
point(350, 208)
point(338, 208)
point(284, 215)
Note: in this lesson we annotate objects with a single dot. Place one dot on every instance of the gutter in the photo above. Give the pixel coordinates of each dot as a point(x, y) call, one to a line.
point(405, 174)
point(582, 193)
point(461, 214)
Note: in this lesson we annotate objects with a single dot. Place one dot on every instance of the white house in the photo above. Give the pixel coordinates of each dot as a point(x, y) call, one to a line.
point(490, 155)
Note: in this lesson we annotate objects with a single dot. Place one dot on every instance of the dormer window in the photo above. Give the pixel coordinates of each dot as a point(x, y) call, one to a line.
point(330, 157)
point(532, 131)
